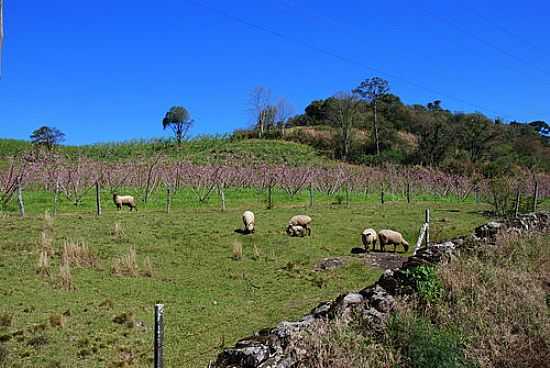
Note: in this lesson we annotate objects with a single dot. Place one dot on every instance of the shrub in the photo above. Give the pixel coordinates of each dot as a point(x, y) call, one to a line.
point(125, 265)
point(425, 345)
point(237, 250)
point(427, 283)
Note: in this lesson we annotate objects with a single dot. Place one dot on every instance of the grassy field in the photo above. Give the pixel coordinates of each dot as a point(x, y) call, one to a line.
point(211, 298)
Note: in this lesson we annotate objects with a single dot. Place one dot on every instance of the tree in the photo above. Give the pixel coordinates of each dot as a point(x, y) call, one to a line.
point(179, 120)
point(344, 113)
point(283, 112)
point(371, 90)
point(48, 137)
point(260, 107)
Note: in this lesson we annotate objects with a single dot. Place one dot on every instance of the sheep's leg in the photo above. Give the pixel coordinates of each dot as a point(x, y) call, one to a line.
point(308, 231)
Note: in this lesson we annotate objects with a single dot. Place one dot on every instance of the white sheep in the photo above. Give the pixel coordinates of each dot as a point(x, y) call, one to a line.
point(249, 222)
point(369, 238)
point(302, 221)
point(296, 230)
point(392, 237)
point(124, 201)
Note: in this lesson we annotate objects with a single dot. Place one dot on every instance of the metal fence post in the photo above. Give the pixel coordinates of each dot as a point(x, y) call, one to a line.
point(98, 198)
point(159, 335)
point(20, 202)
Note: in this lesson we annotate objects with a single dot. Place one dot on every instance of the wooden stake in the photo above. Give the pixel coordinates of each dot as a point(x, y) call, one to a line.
point(517, 204)
point(168, 199)
point(427, 221)
point(98, 198)
point(536, 196)
point(20, 199)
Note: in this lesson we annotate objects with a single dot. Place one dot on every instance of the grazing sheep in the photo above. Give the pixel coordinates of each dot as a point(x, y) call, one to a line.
point(249, 222)
point(369, 238)
point(302, 221)
point(392, 237)
point(124, 201)
point(296, 230)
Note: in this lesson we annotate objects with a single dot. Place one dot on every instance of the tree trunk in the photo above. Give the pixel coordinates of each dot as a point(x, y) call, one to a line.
point(222, 196)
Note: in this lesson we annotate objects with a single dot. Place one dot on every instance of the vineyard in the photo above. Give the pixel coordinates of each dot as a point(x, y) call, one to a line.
point(76, 177)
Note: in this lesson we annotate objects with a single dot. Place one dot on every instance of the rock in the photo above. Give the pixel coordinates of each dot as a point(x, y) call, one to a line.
point(331, 263)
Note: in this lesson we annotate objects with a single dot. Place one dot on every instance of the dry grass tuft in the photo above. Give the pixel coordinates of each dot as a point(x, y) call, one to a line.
point(237, 250)
point(118, 231)
point(256, 252)
point(338, 345)
point(46, 243)
point(57, 320)
point(65, 276)
point(78, 254)
point(48, 221)
point(147, 267)
point(126, 265)
point(498, 298)
point(44, 263)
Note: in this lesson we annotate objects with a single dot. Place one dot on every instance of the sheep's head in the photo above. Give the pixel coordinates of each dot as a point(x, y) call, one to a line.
point(250, 227)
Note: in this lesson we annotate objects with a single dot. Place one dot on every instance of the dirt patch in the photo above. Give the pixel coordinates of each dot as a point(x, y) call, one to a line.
point(383, 260)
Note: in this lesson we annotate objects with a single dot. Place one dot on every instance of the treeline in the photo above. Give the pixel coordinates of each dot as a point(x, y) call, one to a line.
point(370, 125)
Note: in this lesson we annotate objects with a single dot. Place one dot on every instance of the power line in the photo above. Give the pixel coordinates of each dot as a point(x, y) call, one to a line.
point(344, 59)
point(488, 44)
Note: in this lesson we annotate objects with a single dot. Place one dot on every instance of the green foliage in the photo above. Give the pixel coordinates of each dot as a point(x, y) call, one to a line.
point(425, 345)
point(47, 136)
point(179, 120)
point(427, 282)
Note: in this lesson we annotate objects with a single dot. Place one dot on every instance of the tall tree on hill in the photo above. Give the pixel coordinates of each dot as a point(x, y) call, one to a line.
point(48, 137)
point(344, 113)
point(260, 107)
point(371, 90)
point(179, 120)
point(283, 112)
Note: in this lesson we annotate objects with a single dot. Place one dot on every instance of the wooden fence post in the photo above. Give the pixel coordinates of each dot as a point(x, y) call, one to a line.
point(516, 212)
point(310, 195)
point(427, 221)
point(408, 192)
point(269, 197)
point(55, 197)
point(159, 335)
point(222, 196)
point(98, 198)
point(20, 199)
point(168, 199)
point(536, 196)
point(477, 193)
point(382, 195)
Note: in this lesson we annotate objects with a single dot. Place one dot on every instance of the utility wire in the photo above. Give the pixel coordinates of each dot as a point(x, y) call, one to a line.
point(337, 56)
point(463, 30)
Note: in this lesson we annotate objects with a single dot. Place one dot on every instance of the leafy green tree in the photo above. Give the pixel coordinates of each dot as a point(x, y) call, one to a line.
point(179, 120)
point(48, 137)
point(371, 90)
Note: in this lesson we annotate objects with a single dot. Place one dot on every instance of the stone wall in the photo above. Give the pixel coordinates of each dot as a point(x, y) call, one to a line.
point(268, 348)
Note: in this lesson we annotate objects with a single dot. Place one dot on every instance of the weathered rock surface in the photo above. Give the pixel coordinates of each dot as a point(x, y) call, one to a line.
point(268, 348)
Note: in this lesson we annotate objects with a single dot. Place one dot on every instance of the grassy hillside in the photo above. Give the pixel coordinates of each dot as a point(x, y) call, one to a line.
point(199, 150)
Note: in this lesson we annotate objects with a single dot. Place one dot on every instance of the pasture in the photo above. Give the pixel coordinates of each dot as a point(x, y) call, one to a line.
point(211, 298)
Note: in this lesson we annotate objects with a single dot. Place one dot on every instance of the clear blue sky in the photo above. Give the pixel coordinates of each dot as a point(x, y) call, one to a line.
point(107, 70)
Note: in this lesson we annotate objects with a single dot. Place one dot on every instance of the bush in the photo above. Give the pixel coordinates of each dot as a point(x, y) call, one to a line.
point(427, 283)
point(424, 345)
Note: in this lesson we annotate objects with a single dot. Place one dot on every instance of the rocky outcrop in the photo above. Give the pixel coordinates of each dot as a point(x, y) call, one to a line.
point(374, 304)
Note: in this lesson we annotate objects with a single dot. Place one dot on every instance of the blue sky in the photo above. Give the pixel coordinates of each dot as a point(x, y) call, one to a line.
point(108, 70)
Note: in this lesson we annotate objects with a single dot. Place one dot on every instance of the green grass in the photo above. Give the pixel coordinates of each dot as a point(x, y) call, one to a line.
point(211, 300)
point(201, 149)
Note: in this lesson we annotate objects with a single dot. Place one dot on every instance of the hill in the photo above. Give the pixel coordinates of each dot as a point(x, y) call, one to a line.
point(198, 150)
